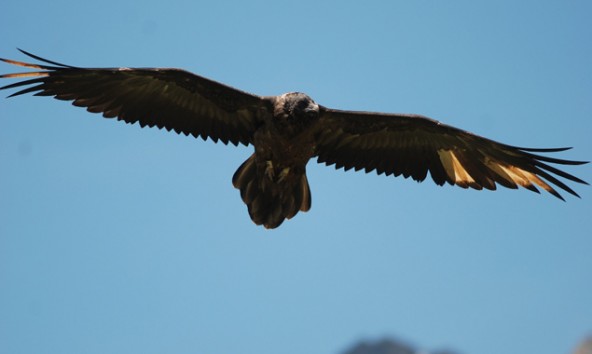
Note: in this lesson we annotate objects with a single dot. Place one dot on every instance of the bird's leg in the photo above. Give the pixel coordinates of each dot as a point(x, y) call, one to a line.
point(283, 174)
point(269, 171)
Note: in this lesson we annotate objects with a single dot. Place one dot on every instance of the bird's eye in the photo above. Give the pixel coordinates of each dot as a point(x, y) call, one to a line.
point(311, 113)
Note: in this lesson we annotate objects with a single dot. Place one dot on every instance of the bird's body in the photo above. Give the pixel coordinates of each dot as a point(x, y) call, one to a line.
point(273, 180)
point(289, 130)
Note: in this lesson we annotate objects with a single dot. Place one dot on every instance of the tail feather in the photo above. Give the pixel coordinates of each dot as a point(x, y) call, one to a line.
point(270, 202)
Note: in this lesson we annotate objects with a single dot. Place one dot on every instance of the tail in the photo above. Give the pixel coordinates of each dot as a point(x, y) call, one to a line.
point(271, 202)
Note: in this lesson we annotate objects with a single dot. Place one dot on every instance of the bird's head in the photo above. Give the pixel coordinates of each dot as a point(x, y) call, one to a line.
point(296, 107)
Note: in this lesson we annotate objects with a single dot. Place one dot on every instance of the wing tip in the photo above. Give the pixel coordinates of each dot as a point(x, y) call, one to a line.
point(36, 57)
point(558, 149)
point(37, 66)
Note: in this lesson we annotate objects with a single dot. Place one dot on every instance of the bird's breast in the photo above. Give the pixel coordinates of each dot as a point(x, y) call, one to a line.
point(283, 148)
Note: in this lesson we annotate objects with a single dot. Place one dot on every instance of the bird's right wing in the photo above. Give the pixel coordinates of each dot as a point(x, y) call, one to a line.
point(165, 98)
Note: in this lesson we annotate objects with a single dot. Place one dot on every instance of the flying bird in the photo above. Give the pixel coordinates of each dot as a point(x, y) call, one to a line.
point(288, 130)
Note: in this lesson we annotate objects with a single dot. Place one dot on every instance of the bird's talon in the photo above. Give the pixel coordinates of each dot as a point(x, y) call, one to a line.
point(269, 172)
point(284, 174)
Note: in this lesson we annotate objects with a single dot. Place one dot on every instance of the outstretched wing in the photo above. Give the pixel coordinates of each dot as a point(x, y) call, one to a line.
point(165, 98)
point(412, 145)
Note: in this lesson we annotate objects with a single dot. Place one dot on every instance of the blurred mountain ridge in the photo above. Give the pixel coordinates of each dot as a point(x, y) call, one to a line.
point(585, 346)
point(391, 346)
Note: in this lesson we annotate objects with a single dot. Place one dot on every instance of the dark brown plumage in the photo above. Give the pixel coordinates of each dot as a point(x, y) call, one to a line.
point(288, 130)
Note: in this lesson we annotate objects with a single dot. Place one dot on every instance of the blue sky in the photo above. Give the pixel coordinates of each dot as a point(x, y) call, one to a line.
point(116, 239)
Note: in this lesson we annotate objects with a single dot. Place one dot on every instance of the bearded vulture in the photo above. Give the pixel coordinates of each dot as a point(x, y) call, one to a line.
point(288, 130)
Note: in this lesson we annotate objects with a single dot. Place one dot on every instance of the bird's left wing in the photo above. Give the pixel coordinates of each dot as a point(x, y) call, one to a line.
point(412, 145)
point(173, 99)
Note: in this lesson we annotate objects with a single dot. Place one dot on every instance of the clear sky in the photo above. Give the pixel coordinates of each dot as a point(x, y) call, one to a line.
point(116, 239)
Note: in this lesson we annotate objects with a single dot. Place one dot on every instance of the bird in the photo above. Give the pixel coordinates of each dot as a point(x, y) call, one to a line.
point(289, 130)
